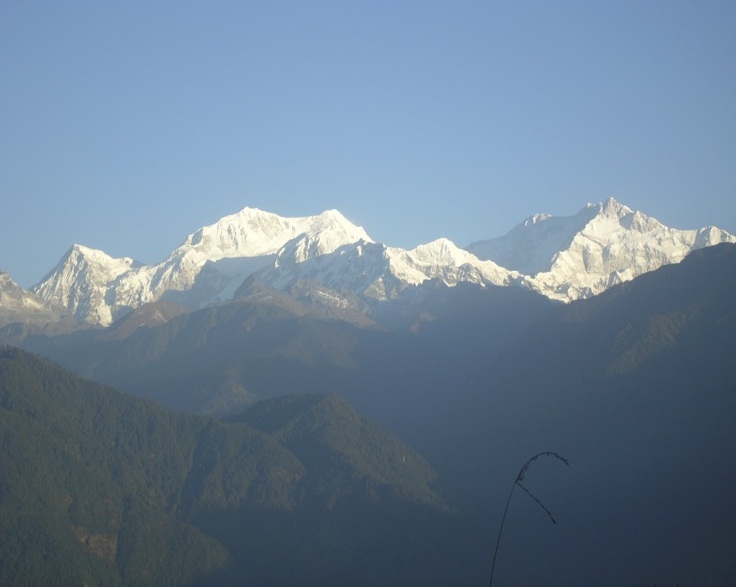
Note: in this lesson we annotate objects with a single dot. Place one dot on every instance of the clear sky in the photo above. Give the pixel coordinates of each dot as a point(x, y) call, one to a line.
point(125, 126)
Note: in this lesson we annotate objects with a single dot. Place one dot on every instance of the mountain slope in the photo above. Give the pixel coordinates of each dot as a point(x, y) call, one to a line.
point(635, 388)
point(223, 358)
point(81, 466)
point(99, 488)
point(81, 283)
point(18, 306)
point(310, 424)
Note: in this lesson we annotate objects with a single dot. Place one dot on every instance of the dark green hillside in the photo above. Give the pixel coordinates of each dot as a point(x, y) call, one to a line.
point(330, 438)
point(90, 481)
point(365, 493)
point(99, 488)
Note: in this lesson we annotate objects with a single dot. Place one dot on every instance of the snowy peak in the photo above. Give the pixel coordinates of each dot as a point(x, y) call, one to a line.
point(441, 259)
point(574, 257)
point(248, 233)
point(253, 233)
point(611, 208)
point(208, 267)
point(375, 272)
point(435, 257)
point(80, 258)
point(440, 250)
point(80, 280)
point(327, 256)
point(530, 246)
point(18, 305)
point(323, 235)
point(335, 220)
point(710, 236)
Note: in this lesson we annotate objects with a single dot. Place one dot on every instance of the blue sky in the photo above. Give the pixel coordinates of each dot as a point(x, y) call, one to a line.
point(125, 126)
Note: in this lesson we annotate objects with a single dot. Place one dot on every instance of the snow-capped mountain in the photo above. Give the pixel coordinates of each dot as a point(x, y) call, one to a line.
point(18, 305)
point(328, 256)
point(81, 280)
point(327, 250)
point(567, 258)
point(206, 268)
point(379, 272)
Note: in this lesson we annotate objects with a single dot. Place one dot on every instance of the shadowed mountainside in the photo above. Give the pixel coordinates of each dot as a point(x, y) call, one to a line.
point(100, 488)
point(634, 387)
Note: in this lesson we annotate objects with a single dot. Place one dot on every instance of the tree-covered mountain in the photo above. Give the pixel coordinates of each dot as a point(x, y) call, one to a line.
point(636, 388)
point(223, 358)
point(99, 488)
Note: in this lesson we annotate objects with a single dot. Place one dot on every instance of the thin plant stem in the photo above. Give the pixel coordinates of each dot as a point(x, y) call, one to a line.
point(519, 478)
point(498, 538)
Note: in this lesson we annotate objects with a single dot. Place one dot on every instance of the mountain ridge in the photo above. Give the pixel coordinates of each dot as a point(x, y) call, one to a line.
point(18, 305)
point(633, 386)
point(563, 258)
point(568, 258)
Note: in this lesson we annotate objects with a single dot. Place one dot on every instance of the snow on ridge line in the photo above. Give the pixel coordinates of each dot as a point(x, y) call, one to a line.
point(614, 246)
point(253, 232)
point(98, 288)
point(532, 246)
point(564, 258)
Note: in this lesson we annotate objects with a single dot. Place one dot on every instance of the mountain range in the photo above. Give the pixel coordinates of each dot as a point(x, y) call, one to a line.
point(634, 386)
point(333, 265)
point(311, 425)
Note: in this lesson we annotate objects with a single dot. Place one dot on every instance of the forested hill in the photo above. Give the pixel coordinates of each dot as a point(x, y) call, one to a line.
point(99, 488)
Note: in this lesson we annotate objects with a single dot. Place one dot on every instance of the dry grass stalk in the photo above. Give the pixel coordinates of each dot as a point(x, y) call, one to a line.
point(517, 482)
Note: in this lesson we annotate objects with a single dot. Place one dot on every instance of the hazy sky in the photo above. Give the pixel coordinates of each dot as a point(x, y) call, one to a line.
point(125, 126)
